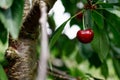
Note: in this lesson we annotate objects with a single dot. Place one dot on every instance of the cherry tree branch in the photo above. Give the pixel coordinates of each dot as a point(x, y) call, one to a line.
point(45, 5)
point(44, 55)
point(43, 59)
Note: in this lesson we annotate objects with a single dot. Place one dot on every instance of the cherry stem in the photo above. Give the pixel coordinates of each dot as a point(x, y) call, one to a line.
point(83, 22)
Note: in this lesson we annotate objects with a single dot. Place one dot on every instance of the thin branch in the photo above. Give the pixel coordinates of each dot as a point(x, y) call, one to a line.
point(60, 74)
point(42, 68)
point(45, 5)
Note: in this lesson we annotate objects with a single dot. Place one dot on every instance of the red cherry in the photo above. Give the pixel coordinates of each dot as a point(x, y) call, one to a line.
point(85, 36)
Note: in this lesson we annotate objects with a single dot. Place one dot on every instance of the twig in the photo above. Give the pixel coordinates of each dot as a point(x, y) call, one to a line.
point(45, 5)
point(42, 68)
point(60, 74)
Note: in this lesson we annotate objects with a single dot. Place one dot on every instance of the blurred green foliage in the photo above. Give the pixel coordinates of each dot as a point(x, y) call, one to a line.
point(103, 51)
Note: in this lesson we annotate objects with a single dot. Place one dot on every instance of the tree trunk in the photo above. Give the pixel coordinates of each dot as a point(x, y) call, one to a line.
point(21, 53)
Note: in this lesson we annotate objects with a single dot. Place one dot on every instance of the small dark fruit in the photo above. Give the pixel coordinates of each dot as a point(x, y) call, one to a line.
point(85, 36)
point(80, 16)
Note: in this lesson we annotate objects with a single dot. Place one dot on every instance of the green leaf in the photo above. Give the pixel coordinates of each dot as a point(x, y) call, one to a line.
point(108, 5)
point(94, 60)
point(3, 76)
point(5, 4)
point(112, 17)
point(86, 50)
point(12, 17)
point(3, 34)
point(113, 20)
point(113, 1)
point(115, 52)
point(115, 34)
point(114, 11)
point(3, 42)
point(104, 69)
point(98, 19)
point(100, 43)
point(116, 65)
point(57, 33)
point(70, 6)
point(77, 72)
point(52, 22)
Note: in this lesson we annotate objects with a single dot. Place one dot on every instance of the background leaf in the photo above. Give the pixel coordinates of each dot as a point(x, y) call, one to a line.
point(3, 42)
point(68, 8)
point(100, 43)
point(12, 18)
point(57, 33)
point(116, 65)
point(98, 19)
point(51, 22)
point(104, 69)
point(2, 74)
point(114, 11)
point(94, 60)
point(108, 5)
point(113, 21)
